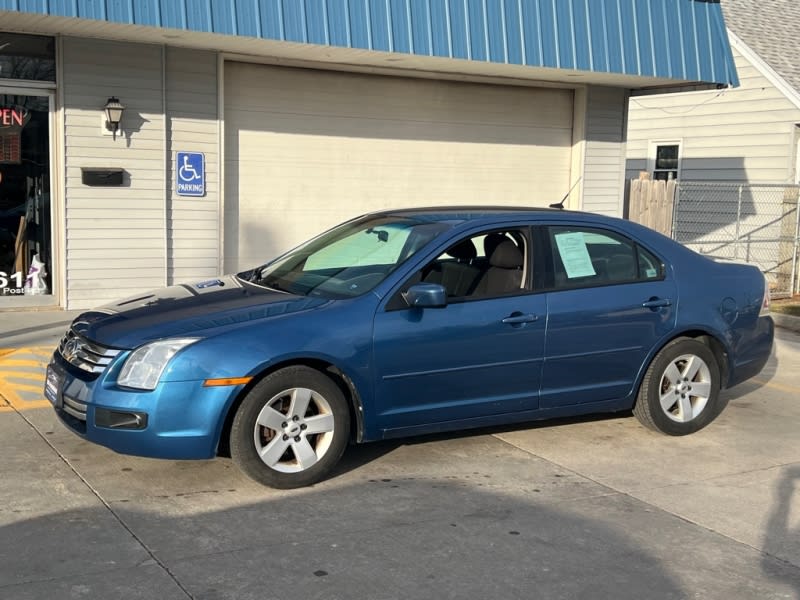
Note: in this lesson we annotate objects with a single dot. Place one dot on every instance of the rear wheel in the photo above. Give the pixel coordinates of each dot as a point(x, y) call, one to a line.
point(680, 390)
point(291, 429)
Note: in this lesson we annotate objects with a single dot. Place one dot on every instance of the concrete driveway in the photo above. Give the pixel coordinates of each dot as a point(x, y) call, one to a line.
point(589, 508)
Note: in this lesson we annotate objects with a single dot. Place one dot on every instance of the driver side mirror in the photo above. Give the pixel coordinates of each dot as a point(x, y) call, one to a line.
point(426, 295)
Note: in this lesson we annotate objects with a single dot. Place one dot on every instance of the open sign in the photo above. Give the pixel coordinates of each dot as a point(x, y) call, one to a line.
point(14, 117)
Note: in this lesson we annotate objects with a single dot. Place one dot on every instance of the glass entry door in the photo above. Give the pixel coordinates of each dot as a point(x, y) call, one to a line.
point(26, 261)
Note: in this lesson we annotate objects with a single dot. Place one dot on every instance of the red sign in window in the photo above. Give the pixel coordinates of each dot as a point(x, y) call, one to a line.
point(10, 117)
point(10, 149)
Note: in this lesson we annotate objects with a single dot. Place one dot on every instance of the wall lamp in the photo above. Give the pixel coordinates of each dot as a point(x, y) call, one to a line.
point(113, 109)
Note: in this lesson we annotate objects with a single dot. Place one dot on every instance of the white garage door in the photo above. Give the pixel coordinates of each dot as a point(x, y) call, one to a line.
point(306, 149)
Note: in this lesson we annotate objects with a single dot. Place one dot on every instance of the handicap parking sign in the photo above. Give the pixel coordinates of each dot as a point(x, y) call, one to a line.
point(191, 174)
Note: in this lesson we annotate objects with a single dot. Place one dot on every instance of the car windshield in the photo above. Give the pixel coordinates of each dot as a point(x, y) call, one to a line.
point(350, 259)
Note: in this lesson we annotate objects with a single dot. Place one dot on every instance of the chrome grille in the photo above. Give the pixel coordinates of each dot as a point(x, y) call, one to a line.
point(74, 408)
point(86, 355)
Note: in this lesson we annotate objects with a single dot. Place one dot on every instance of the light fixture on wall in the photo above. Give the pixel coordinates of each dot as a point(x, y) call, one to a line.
point(113, 109)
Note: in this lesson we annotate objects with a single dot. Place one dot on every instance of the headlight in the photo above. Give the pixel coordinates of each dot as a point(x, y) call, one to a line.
point(144, 366)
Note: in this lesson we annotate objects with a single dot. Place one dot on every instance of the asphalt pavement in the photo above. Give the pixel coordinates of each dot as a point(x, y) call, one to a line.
point(579, 508)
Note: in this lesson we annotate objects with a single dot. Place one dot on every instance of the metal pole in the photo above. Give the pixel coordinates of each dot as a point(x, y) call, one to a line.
point(738, 223)
point(675, 204)
point(795, 283)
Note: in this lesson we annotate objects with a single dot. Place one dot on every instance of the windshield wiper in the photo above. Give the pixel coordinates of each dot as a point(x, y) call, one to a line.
point(277, 287)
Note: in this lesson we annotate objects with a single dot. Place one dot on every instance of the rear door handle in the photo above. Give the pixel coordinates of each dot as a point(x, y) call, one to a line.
point(518, 318)
point(657, 303)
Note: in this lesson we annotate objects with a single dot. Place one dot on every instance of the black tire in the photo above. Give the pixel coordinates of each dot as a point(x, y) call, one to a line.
point(691, 401)
point(284, 437)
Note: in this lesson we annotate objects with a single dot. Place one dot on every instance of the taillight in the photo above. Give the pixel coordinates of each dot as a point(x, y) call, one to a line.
point(765, 302)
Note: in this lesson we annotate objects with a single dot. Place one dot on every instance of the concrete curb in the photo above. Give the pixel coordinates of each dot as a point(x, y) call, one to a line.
point(786, 321)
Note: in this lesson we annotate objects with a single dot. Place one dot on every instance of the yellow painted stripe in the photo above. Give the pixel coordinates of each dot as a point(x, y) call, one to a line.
point(42, 350)
point(24, 387)
point(36, 351)
point(17, 362)
point(12, 360)
point(10, 401)
point(25, 405)
point(21, 375)
point(227, 381)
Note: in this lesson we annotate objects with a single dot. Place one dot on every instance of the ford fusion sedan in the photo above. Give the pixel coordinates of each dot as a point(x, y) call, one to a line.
point(410, 322)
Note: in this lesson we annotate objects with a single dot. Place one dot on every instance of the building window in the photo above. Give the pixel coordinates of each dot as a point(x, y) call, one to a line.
point(665, 166)
point(29, 57)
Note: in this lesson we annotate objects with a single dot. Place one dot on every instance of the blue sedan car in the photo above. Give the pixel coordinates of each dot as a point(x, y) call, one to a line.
point(409, 322)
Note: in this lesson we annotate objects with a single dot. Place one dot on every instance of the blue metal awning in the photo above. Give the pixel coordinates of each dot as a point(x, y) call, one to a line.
point(682, 40)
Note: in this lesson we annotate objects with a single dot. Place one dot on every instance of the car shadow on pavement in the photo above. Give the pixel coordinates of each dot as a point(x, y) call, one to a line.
point(761, 380)
point(782, 541)
point(359, 455)
point(413, 538)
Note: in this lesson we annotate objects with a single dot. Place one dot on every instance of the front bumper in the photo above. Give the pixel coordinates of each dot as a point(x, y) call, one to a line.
point(177, 420)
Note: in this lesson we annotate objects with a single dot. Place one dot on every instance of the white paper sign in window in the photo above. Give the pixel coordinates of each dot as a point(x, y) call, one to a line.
point(574, 255)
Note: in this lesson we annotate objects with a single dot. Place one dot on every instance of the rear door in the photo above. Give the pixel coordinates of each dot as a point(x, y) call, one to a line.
point(610, 301)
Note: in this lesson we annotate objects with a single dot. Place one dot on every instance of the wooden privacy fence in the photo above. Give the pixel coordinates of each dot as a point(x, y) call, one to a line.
point(652, 202)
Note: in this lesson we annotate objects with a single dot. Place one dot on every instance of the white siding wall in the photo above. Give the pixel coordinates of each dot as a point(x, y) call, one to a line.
point(194, 227)
point(115, 235)
point(123, 240)
point(604, 154)
point(743, 134)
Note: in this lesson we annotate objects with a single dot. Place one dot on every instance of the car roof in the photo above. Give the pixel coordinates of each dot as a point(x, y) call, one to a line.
point(471, 210)
point(456, 215)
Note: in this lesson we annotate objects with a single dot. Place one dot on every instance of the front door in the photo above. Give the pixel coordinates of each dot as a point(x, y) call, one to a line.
point(27, 68)
point(480, 355)
point(25, 210)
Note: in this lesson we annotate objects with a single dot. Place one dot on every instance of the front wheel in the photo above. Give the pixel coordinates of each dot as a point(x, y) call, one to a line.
point(680, 390)
point(291, 429)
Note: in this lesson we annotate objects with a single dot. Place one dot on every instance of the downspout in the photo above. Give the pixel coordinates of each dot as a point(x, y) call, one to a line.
point(59, 183)
point(220, 163)
point(165, 150)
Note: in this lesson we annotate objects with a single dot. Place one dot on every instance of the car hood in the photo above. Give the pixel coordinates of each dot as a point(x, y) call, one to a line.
point(188, 310)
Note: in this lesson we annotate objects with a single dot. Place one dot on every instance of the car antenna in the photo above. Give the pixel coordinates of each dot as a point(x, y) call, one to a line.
point(560, 205)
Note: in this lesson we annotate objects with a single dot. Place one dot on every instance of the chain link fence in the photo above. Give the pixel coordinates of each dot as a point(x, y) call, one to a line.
point(754, 223)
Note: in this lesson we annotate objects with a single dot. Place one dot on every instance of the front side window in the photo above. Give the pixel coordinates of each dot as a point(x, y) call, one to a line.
point(490, 264)
point(349, 260)
point(584, 257)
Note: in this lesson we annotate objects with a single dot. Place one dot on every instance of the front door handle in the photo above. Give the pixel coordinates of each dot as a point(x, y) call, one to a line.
point(517, 318)
point(657, 303)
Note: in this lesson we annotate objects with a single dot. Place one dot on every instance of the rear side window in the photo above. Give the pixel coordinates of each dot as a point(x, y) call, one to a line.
point(584, 257)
